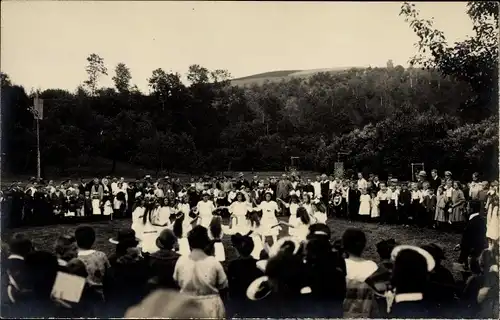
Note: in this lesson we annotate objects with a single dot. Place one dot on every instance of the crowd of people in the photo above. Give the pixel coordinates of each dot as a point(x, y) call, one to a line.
point(171, 262)
point(428, 202)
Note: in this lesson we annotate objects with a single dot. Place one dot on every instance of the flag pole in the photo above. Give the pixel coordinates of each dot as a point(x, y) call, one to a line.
point(38, 160)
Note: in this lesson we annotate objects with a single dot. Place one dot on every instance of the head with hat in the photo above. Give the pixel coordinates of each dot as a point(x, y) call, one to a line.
point(412, 266)
point(422, 174)
point(243, 244)
point(124, 239)
point(436, 252)
point(318, 243)
point(166, 240)
point(354, 241)
point(385, 247)
point(447, 174)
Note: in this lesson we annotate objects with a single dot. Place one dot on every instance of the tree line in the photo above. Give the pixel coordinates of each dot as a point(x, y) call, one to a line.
point(377, 119)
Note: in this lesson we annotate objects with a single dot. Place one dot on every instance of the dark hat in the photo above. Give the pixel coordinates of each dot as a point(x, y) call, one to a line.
point(125, 236)
point(320, 230)
point(436, 251)
point(387, 244)
point(259, 289)
point(431, 263)
point(166, 239)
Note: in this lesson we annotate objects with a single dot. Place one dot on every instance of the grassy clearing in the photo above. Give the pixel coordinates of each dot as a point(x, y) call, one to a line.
point(45, 236)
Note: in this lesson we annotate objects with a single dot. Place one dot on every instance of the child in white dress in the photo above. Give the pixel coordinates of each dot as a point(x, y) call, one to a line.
point(375, 212)
point(205, 209)
point(364, 204)
point(144, 229)
point(301, 225)
point(181, 234)
point(269, 221)
point(239, 211)
point(254, 223)
point(293, 206)
point(319, 211)
point(184, 207)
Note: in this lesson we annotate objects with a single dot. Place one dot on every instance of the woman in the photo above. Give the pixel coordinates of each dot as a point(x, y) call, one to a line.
point(201, 275)
point(142, 224)
point(457, 205)
point(492, 221)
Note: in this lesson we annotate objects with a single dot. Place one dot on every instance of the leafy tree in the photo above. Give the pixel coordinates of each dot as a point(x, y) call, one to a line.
point(474, 60)
point(95, 68)
point(122, 78)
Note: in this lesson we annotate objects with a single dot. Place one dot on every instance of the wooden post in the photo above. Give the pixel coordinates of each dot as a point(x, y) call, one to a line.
point(38, 160)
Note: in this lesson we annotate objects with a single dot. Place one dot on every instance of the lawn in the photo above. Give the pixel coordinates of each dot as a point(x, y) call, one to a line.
point(45, 236)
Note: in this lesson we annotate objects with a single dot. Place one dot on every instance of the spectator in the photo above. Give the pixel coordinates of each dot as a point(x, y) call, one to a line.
point(162, 262)
point(241, 272)
point(130, 273)
point(65, 249)
point(325, 272)
point(410, 279)
point(202, 275)
point(20, 246)
point(441, 290)
point(359, 300)
point(95, 261)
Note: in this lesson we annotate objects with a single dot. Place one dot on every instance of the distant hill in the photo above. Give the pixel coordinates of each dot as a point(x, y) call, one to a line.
point(274, 76)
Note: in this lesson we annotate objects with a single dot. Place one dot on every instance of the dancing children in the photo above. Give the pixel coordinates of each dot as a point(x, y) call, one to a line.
point(205, 209)
point(269, 221)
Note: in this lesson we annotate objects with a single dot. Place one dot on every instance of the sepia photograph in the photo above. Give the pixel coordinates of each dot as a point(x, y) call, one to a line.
point(249, 159)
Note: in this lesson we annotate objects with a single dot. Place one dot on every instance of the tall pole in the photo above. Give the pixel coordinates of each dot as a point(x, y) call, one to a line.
point(38, 162)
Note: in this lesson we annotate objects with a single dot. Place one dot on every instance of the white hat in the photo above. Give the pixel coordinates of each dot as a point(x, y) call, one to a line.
point(428, 257)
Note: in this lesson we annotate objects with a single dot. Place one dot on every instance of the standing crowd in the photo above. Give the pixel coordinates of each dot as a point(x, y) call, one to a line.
point(171, 262)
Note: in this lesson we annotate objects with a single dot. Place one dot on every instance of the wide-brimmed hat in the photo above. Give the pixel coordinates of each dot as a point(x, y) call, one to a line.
point(166, 239)
point(422, 174)
point(447, 173)
point(431, 263)
point(259, 289)
point(125, 236)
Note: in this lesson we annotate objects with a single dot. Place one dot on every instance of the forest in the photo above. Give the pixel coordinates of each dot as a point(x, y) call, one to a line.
point(442, 111)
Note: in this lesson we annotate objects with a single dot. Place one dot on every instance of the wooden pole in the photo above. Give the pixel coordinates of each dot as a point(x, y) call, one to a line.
point(38, 160)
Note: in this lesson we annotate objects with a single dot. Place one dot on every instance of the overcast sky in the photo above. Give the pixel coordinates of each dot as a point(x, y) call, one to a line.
point(45, 44)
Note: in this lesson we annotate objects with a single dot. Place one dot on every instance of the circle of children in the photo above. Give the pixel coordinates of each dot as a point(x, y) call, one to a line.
point(171, 261)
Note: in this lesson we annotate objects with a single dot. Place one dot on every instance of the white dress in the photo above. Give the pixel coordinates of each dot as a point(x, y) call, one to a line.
point(240, 222)
point(320, 217)
point(257, 245)
point(269, 219)
point(293, 216)
point(375, 212)
point(186, 224)
point(184, 248)
point(202, 279)
point(299, 230)
point(146, 232)
point(492, 221)
point(108, 208)
point(205, 209)
point(364, 205)
point(162, 217)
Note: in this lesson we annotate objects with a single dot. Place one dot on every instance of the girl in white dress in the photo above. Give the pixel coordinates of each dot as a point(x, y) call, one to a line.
point(184, 207)
point(269, 221)
point(254, 223)
point(162, 216)
point(239, 211)
point(306, 203)
point(300, 226)
point(319, 211)
point(293, 206)
point(364, 204)
point(143, 227)
point(375, 212)
point(181, 234)
point(205, 209)
point(492, 219)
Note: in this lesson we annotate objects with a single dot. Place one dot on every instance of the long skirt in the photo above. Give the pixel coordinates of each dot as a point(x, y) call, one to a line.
point(96, 206)
point(205, 220)
point(266, 225)
point(212, 306)
point(384, 210)
point(440, 215)
point(457, 214)
point(492, 223)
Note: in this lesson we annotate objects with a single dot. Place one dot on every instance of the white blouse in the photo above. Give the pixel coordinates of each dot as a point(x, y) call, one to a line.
point(239, 208)
point(205, 208)
point(269, 209)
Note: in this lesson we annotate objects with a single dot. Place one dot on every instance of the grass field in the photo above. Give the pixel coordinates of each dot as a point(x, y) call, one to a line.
point(45, 236)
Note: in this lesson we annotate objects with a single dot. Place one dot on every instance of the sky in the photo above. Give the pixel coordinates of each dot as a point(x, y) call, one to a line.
point(44, 44)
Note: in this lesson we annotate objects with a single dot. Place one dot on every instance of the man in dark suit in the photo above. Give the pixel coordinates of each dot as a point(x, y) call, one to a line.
point(435, 180)
point(473, 240)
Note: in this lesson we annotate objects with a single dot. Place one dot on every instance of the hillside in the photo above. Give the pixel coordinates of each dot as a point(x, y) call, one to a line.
point(276, 76)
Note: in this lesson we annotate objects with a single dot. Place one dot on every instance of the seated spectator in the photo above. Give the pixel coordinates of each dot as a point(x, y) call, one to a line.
point(325, 273)
point(130, 274)
point(20, 246)
point(441, 290)
point(65, 249)
point(409, 281)
point(95, 261)
point(168, 304)
point(282, 292)
point(162, 262)
point(480, 295)
point(41, 268)
point(202, 275)
point(359, 300)
point(241, 272)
